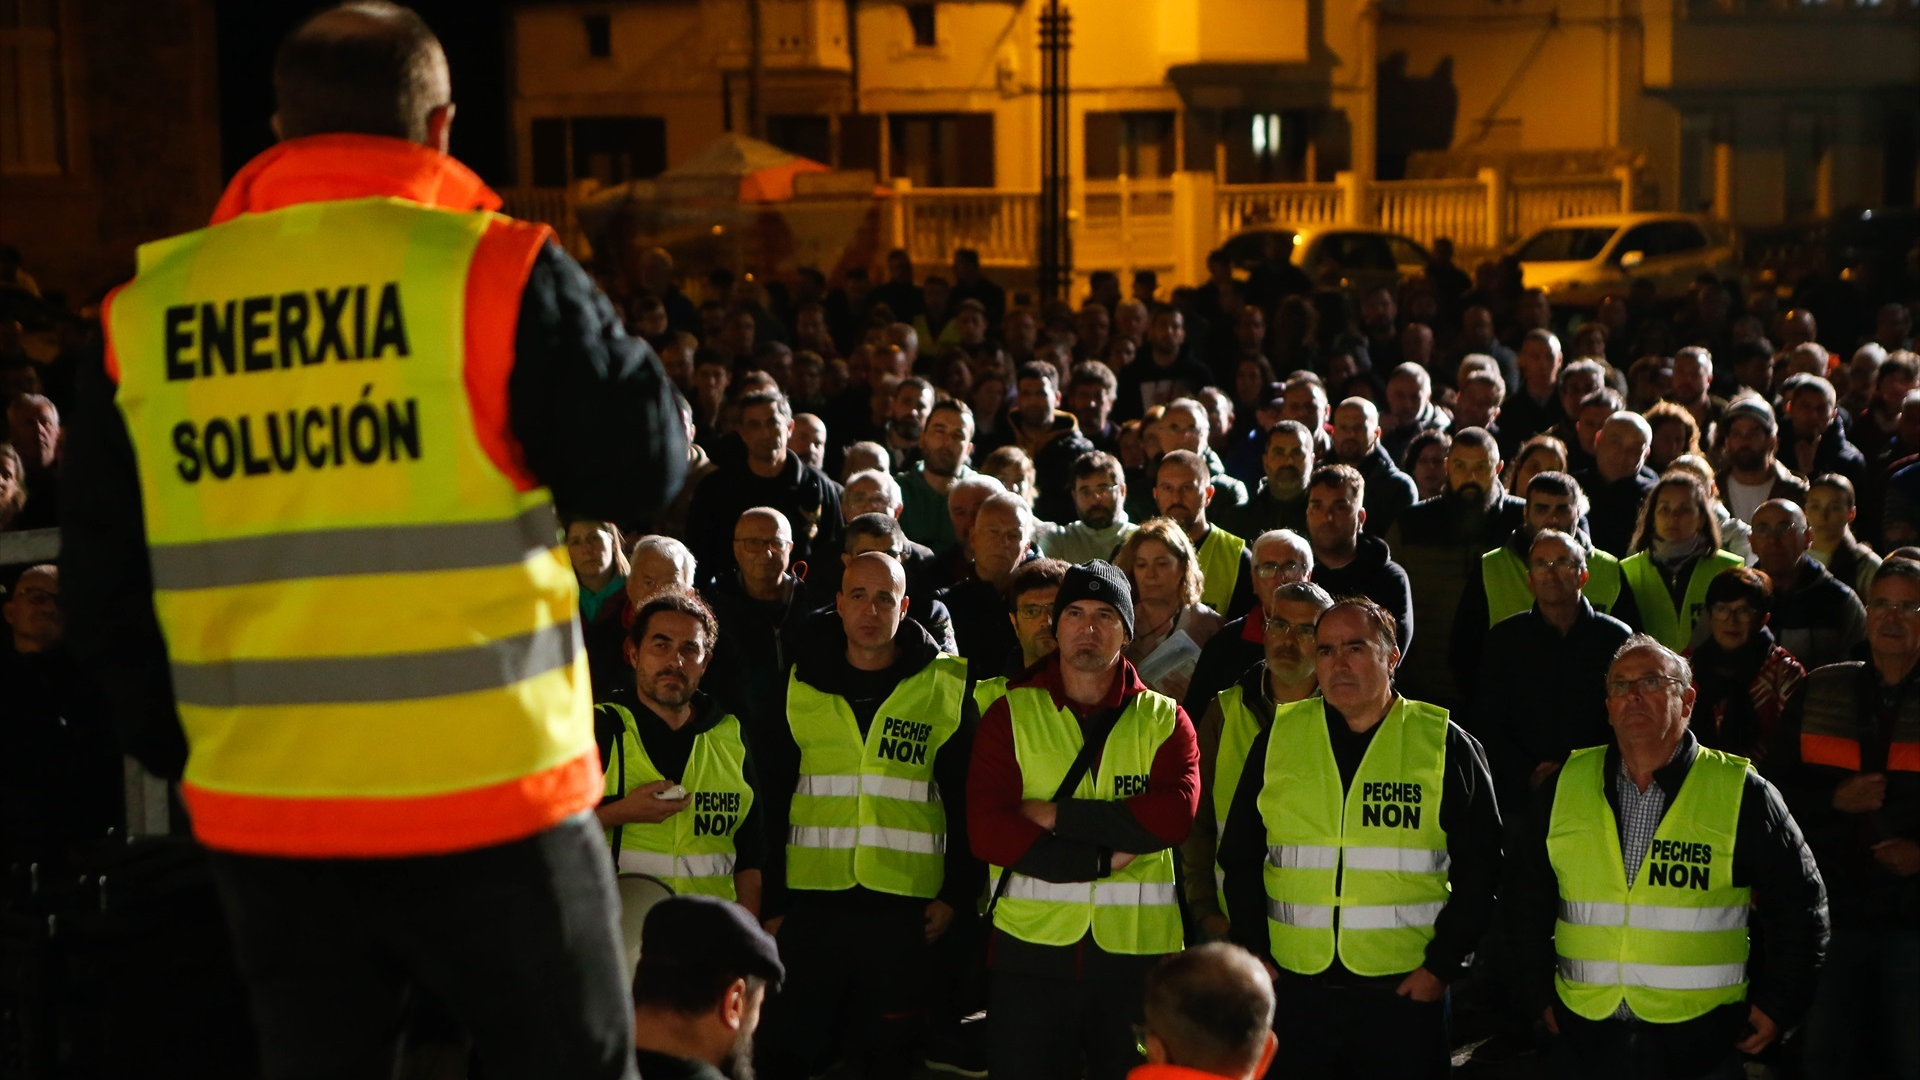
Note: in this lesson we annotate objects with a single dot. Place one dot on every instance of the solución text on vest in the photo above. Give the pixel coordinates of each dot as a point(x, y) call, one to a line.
point(904, 741)
point(1390, 804)
point(715, 813)
point(1679, 864)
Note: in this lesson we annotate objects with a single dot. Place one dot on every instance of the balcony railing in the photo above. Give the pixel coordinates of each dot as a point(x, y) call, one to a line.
point(1536, 201)
point(1001, 225)
point(1427, 209)
point(1248, 206)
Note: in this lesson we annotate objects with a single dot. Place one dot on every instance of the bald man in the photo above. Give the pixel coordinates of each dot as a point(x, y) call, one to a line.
point(1356, 442)
point(1618, 482)
point(867, 780)
point(1815, 616)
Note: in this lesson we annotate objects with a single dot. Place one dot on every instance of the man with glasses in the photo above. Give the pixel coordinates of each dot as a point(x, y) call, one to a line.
point(762, 604)
point(768, 475)
point(1031, 594)
point(1232, 721)
point(1816, 617)
point(1182, 489)
point(1538, 693)
point(1280, 557)
point(1630, 891)
point(1848, 761)
point(1100, 500)
point(873, 491)
point(1360, 855)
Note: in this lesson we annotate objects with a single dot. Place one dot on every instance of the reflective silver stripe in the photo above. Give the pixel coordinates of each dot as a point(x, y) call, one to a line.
point(1305, 916)
point(1402, 860)
point(1303, 856)
point(1655, 916)
point(1132, 893)
point(675, 866)
point(1023, 887)
point(873, 836)
point(1653, 976)
point(345, 680)
point(841, 786)
point(1390, 916)
point(393, 549)
point(885, 787)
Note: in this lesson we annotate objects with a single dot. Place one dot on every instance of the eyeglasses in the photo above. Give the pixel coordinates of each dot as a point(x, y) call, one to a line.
point(1274, 569)
point(1729, 610)
point(1569, 564)
point(1087, 491)
point(1035, 611)
point(1646, 684)
point(1278, 625)
point(1895, 607)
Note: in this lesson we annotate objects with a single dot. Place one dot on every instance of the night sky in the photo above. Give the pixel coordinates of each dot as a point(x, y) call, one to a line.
point(474, 33)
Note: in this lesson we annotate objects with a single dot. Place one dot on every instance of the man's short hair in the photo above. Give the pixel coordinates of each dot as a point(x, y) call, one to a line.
point(1094, 462)
point(1304, 592)
point(1835, 482)
point(1093, 373)
point(888, 485)
point(670, 549)
point(1035, 574)
point(1574, 545)
point(1582, 367)
point(1675, 664)
point(1484, 377)
point(1294, 428)
point(1897, 565)
point(874, 526)
point(1345, 477)
point(1379, 620)
point(1039, 369)
point(781, 406)
point(1477, 438)
point(366, 68)
point(1212, 1006)
point(1415, 372)
point(954, 405)
point(1607, 396)
point(684, 603)
point(1554, 482)
point(1187, 458)
point(1539, 334)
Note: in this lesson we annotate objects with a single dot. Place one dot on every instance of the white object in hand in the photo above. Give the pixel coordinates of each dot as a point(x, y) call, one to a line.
point(672, 794)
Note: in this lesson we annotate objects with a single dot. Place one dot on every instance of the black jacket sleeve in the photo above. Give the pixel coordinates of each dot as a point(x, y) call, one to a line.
point(964, 875)
point(1243, 853)
point(591, 406)
point(750, 839)
point(1471, 818)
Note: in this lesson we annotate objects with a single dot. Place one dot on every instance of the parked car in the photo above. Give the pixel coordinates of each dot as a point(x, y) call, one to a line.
point(1580, 261)
point(1356, 257)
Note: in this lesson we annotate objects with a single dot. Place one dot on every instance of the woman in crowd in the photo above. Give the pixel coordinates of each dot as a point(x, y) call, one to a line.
point(1674, 433)
point(1735, 535)
point(1649, 381)
point(1171, 625)
point(1542, 453)
point(13, 484)
point(1014, 469)
point(1676, 555)
point(1252, 378)
point(1741, 676)
point(1427, 461)
point(600, 565)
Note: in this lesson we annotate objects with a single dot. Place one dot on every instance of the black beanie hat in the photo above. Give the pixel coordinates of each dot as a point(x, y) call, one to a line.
point(1098, 580)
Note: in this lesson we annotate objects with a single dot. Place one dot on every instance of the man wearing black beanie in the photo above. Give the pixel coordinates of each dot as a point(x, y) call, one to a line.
point(1083, 870)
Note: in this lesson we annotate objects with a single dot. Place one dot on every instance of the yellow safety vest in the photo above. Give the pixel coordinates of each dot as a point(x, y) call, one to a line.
point(1219, 557)
point(1505, 575)
point(988, 691)
point(1669, 627)
point(868, 812)
point(368, 612)
point(1133, 911)
point(1674, 945)
point(692, 851)
point(1238, 729)
point(1374, 853)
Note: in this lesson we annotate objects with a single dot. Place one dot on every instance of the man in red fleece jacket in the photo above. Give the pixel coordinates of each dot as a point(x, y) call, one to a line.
point(1088, 905)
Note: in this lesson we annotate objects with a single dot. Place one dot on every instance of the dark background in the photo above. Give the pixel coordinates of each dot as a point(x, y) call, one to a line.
point(474, 33)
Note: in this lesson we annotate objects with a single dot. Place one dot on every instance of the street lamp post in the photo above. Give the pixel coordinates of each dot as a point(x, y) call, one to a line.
point(1056, 237)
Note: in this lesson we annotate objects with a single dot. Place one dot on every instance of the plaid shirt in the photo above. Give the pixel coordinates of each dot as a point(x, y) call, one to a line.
point(1640, 814)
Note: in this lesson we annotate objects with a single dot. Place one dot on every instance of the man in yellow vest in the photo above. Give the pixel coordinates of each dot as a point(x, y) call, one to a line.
point(1183, 489)
point(313, 555)
point(1084, 880)
point(1372, 844)
point(1631, 888)
point(868, 777)
point(679, 802)
point(1226, 732)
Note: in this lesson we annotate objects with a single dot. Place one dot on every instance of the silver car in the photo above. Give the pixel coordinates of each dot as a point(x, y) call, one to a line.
point(1580, 261)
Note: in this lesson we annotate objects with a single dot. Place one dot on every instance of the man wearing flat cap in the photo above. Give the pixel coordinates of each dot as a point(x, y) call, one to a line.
point(706, 967)
point(1083, 868)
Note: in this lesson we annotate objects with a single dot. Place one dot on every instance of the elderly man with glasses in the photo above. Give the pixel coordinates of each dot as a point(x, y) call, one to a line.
point(1631, 890)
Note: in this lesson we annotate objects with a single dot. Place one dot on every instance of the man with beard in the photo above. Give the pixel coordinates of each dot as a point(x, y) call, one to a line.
point(1410, 409)
point(1537, 686)
point(1050, 437)
point(1478, 405)
point(1360, 857)
point(907, 417)
point(1089, 903)
point(868, 777)
point(1439, 541)
point(767, 474)
point(1619, 481)
point(1356, 443)
point(1164, 369)
point(945, 443)
point(1030, 594)
point(1751, 475)
point(675, 738)
point(1692, 379)
point(1182, 489)
point(1227, 730)
point(1091, 391)
point(1347, 561)
point(1100, 498)
point(1496, 587)
point(1280, 502)
point(1002, 529)
point(706, 968)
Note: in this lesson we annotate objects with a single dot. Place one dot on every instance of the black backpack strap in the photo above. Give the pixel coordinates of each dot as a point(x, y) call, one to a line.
point(1099, 726)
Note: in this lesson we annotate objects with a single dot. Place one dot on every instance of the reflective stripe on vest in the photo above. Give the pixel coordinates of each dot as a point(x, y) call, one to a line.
point(1831, 727)
point(1219, 557)
point(1375, 850)
point(866, 810)
point(1669, 627)
point(1674, 945)
point(692, 851)
point(1504, 574)
point(351, 579)
point(1134, 911)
